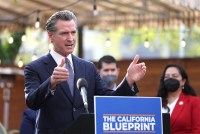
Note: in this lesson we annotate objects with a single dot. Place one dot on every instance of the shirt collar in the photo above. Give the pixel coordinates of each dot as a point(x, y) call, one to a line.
point(57, 57)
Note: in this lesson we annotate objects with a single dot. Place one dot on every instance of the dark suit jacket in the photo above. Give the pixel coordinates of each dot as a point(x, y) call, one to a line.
point(185, 118)
point(57, 111)
point(28, 121)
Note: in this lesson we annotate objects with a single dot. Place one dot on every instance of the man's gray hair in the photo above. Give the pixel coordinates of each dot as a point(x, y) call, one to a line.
point(60, 15)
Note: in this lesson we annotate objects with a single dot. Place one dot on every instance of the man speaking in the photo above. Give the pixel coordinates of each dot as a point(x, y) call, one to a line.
point(50, 81)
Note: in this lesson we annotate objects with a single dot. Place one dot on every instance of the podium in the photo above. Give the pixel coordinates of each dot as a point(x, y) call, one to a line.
point(166, 123)
point(85, 124)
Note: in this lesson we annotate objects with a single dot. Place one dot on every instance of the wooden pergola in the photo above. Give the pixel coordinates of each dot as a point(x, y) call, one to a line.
point(102, 13)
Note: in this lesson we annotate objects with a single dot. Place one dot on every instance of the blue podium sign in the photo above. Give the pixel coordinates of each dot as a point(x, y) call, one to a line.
point(127, 115)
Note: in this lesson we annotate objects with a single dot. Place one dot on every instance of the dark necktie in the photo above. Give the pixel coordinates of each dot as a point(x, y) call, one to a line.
point(70, 80)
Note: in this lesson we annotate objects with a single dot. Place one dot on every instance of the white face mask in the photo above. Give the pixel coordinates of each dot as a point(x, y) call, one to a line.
point(109, 79)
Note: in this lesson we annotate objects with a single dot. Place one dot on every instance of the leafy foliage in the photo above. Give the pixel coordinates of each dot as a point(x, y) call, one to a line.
point(8, 52)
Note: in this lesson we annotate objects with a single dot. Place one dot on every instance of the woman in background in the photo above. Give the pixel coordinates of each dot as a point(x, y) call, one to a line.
point(180, 100)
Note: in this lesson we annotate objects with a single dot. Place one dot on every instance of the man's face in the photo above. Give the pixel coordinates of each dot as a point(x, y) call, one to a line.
point(64, 39)
point(109, 69)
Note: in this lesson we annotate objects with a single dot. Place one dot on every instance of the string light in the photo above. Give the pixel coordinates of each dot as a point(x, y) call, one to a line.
point(183, 43)
point(108, 42)
point(95, 12)
point(20, 63)
point(10, 40)
point(23, 38)
point(37, 23)
point(146, 43)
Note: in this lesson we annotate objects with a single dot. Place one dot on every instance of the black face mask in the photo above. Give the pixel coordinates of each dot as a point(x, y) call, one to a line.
point(171, 84)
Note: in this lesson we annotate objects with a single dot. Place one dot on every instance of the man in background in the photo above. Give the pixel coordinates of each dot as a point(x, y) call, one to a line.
point(108, 70)
point(28, 121)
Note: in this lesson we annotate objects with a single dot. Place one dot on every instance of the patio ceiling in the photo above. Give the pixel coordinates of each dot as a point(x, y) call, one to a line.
point(130, 13)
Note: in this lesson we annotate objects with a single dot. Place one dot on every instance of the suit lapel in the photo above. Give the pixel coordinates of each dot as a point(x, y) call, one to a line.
point(66, 90)
point(178, 108)
point(50, 64)
point(79, 71)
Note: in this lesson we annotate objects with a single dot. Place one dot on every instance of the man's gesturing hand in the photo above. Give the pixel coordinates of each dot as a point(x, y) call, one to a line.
point(59, 75)
point(135, 71)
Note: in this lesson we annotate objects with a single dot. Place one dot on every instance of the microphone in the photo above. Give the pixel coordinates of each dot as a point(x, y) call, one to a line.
point(82, 85)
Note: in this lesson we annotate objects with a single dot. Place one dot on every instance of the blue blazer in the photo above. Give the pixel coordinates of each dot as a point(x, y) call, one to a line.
point(57, 111)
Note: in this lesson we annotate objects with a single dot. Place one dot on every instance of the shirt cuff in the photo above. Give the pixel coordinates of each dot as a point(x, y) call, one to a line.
point(132, 88)
point(53, 91)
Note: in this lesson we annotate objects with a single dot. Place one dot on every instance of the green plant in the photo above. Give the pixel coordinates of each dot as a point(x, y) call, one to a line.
point(8, 52)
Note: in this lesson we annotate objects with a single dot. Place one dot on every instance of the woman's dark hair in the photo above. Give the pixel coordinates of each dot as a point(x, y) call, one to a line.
point(187, 89)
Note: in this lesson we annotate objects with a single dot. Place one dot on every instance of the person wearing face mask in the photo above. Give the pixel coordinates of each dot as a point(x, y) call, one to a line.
point(108, 70)
point(180, 100)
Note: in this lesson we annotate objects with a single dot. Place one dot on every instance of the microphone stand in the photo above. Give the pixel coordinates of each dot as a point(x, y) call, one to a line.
point(86, 108)
point(84, 97)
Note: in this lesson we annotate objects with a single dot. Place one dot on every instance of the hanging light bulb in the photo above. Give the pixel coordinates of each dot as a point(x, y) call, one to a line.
point(146, 43)
point(24, 23)
point(10, 40)
point(37, 22)
point(95, 12)
point(183, 43)
point(20, 63)
point(23, 38)
point(34, 57)
point(108, 42)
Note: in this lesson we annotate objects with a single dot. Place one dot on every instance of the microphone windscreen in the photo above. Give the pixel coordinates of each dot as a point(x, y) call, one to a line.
point(81, 82)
